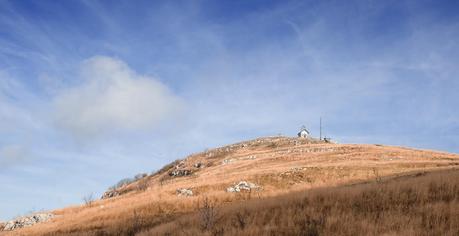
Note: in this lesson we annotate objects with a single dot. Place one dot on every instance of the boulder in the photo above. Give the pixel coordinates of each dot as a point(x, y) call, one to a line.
point(110, 194)
point(180, 172)
point(184, 192)
point(227, 161)
point(242, 186)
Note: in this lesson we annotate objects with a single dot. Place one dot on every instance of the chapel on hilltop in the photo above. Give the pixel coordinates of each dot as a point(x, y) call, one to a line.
point(304, 133)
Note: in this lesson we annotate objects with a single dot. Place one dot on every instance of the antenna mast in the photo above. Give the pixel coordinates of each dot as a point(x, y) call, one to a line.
point(320, 137)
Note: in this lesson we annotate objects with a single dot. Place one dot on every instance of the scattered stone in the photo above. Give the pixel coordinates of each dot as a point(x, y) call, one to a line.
point(198, 165)
point(180, 172)
point(252, 157)
point(296, 169)
point(184, 192)
point(227, 161)
point(242, 186)
point(2, 225)
point(26, 221)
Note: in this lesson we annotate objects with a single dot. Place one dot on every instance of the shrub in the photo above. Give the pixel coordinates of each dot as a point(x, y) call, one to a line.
point(208, 214)
point(88, 199)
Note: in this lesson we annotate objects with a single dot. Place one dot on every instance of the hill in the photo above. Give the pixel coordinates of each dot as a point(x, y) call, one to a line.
point(257, 186)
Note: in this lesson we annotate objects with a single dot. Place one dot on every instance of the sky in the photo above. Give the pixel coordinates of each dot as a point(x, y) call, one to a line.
point(92, 92)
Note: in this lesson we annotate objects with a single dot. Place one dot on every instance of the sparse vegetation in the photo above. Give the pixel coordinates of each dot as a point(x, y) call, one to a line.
point(208, 214)
point(416, 205)
point(421, 205)
point(88, 199)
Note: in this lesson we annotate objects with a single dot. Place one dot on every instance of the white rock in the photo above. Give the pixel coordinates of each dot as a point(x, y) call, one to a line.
point(242, 185)
point(227, 161)
point(27, 221)
point(184, 192)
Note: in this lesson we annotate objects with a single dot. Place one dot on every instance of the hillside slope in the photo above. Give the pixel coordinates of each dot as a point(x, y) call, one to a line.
point(270, 167)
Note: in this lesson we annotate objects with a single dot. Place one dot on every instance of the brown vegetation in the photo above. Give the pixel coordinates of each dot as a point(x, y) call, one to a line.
point(420, 205)
point(302, 193)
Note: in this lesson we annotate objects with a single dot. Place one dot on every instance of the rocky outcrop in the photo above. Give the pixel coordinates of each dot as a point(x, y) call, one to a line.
point(180, 172)
point(26, 221)
point(184, 192)
point(242, 186)
point(110, 193)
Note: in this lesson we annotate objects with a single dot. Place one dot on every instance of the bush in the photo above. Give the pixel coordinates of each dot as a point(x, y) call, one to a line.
point(140, 176)
point(208, 214)
point(88, 199)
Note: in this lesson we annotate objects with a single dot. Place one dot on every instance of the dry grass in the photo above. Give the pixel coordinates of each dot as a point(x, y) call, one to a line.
point(420, 205)
point(280, 165)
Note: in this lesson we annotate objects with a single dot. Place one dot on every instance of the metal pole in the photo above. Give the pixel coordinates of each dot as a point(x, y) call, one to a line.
point(320, 137)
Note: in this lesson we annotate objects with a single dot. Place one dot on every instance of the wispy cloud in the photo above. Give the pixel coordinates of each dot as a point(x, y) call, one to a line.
point(112, 97)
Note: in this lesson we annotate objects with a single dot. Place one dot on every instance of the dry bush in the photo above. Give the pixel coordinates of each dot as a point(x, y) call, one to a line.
point(88, 199)
point(418, 205)
point(208, 214)
point(240, 219)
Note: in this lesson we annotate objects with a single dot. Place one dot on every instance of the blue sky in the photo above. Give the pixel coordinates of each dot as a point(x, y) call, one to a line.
point(95, 91)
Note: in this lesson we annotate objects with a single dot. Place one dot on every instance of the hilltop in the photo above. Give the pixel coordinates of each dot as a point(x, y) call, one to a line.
point(263, 172)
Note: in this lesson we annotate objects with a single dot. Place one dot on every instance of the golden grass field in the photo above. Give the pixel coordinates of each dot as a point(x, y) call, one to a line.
point(289, 170)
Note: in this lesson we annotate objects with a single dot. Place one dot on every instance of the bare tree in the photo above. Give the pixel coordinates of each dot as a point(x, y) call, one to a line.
point(88, 199)
point(240, 220)
point(208, 214)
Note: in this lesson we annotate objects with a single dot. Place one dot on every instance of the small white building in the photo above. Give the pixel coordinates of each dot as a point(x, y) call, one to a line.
point(304, 133)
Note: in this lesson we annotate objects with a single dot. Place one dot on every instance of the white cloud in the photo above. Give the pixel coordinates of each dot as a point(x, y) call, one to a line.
point(112, 97)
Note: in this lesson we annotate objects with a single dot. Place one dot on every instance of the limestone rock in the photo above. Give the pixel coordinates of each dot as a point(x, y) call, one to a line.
point(184, 192)
point(227, 161)
point(180, 172)
point(242, 186)
point(110, 194)
point(27, 221)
